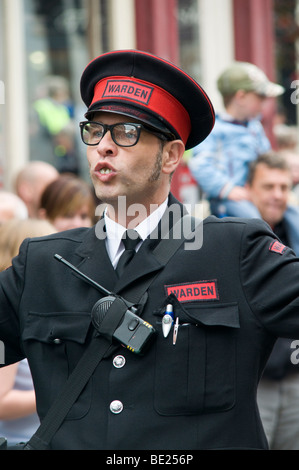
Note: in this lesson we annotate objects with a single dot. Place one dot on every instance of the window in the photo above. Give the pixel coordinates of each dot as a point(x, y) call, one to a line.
point(189, 37)
point(60, 40)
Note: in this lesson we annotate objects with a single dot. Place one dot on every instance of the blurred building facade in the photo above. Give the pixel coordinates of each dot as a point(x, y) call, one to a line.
point(39, 39)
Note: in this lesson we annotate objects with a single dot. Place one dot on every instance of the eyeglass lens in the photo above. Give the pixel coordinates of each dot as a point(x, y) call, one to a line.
point(123, 134)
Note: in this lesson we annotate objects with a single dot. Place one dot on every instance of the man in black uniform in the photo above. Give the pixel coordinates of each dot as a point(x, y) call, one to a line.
point(230, 298)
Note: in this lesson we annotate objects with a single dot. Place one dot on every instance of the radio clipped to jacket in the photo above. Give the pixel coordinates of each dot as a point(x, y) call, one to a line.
point(114, 317)
point(132, 331)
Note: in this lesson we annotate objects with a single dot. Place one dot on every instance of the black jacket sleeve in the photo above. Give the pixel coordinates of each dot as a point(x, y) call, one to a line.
point(270, 277)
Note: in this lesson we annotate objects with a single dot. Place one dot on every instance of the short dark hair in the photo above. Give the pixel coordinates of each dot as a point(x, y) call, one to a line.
point(272, 159)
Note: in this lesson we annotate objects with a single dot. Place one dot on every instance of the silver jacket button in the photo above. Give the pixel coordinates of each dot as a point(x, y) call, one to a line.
point(119, 362)
point(57, 341)
point(116, 407)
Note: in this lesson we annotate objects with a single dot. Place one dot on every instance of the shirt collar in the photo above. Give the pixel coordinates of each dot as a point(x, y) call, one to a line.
point(115, 231)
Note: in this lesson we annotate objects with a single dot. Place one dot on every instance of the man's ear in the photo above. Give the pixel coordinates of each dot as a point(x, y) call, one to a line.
point(173, 152)
point(240, 94)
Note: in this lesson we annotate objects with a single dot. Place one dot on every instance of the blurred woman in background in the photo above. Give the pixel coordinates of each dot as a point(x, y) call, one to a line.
point(68, 202)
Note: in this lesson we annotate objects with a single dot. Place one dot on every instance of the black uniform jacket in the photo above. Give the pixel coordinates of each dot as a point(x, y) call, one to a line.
point(233, 297)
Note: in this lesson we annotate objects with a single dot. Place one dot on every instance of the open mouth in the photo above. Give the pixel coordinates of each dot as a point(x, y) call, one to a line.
point(105, 171)
point(104, 168)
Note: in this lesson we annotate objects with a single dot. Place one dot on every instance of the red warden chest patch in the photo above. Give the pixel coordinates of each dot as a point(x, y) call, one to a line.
point(195, 291)
point(277, 247)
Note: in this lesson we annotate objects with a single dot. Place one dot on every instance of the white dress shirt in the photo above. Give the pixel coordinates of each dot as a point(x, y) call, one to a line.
point(115, 231)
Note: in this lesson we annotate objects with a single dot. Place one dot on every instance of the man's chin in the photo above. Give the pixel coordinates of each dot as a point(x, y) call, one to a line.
point(273, 220)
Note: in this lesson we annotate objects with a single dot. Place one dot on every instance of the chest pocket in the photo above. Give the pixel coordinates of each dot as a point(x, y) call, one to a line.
point(54, 343)
point(198, 373)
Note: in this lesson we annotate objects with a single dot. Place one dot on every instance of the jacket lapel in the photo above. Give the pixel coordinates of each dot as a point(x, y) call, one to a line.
point(143, 263)
point(94, 259)
point(96, 264)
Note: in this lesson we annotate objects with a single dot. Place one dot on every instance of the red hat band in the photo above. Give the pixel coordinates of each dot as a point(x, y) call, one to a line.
point(146, 95)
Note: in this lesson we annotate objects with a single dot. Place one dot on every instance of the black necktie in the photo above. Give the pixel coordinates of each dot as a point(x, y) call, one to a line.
point(130, 240)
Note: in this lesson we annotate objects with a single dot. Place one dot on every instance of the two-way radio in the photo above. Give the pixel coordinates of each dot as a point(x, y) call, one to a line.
point(132, 332)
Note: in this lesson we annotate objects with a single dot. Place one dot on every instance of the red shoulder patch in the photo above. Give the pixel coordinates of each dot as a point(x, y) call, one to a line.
point(277, 247)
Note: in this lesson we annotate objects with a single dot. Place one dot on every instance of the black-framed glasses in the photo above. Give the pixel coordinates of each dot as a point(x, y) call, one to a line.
point(124, 134)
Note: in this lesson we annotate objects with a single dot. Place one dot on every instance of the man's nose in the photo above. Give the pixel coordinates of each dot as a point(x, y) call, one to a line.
point(107, 144)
